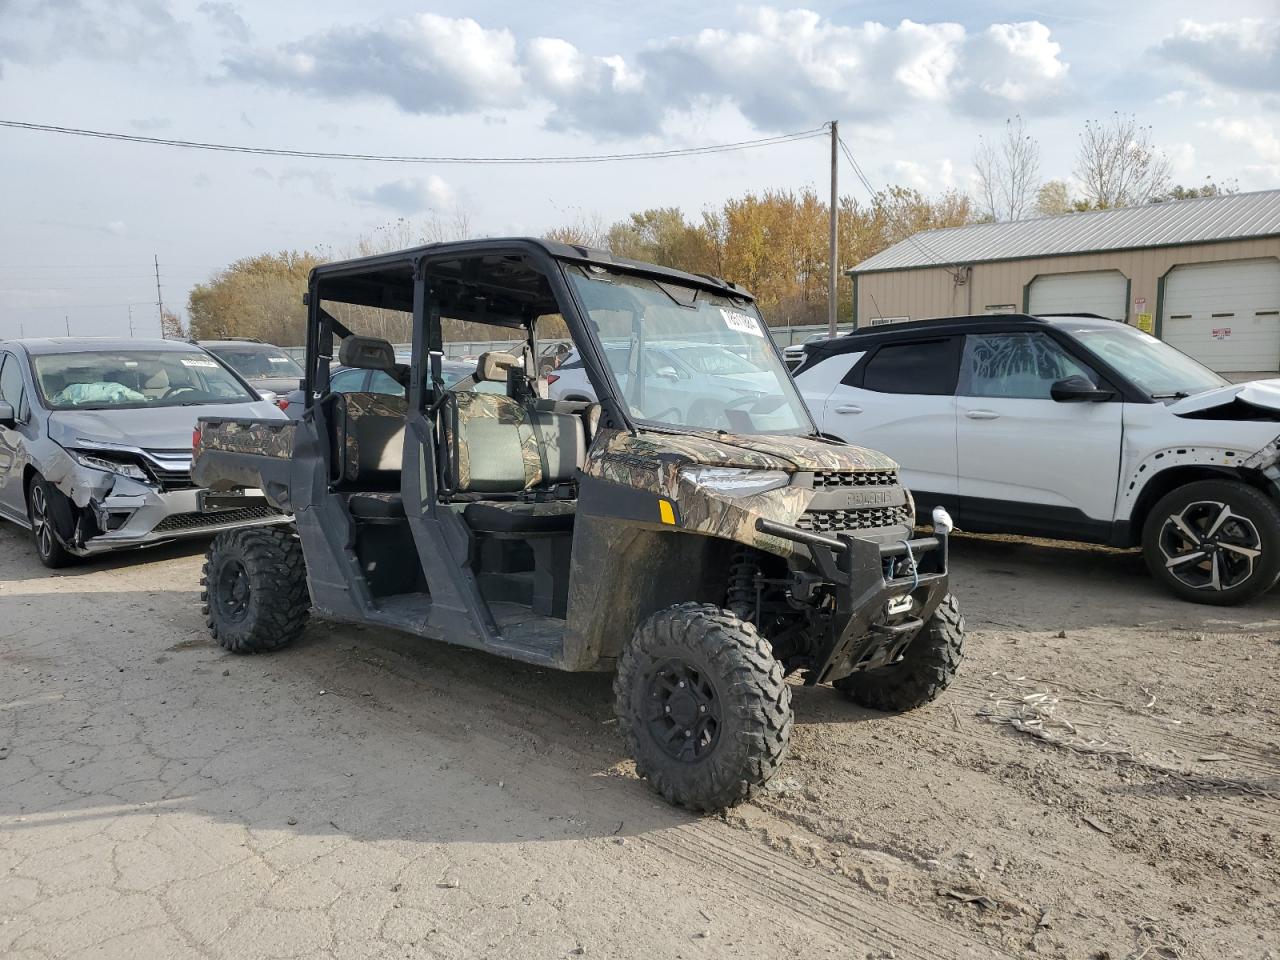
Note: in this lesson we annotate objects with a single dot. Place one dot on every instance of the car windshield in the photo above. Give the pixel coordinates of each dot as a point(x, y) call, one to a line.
point(1156, 367)
point(256, 361)
point(686, 357)
point(135, 378)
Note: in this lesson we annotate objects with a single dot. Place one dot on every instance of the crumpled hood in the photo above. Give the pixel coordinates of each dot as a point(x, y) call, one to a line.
point(153, 428)
point(765, 452)
point(1258, 393)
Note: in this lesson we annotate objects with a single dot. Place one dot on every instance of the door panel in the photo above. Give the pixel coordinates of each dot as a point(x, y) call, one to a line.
point(1017, 445)
point(12, 496)
point(901, 402)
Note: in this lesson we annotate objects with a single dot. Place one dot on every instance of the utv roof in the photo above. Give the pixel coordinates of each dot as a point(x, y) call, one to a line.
point(42, 345)
point(404, 259)
point(867, 337)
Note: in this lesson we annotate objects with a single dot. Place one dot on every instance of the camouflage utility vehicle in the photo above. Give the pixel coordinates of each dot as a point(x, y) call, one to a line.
point(694, 534)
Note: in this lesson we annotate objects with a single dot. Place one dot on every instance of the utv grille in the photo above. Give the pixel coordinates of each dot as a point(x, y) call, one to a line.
point(192, 521)
point(867, 518)
point(833, 479)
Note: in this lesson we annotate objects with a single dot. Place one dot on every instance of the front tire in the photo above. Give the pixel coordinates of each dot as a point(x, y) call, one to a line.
point(45, 505)
point(253, 592)
point(927, 667)
point(1214, 542)
point(703, 705)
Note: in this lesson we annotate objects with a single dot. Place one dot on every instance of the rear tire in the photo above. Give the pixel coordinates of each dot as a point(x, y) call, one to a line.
point(254, 589)
point(45, 505)
point(703, 706)
point(927, 667)
point(1214, 542)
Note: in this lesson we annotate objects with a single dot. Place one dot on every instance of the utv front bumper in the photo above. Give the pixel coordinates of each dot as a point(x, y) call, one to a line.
point(875, 596)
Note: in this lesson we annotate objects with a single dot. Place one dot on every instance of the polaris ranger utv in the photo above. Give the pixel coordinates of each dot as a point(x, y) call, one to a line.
point(695, 534)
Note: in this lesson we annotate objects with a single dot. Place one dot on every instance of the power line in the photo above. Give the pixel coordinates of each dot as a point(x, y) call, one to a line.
point(379, 158)
point(911, 237)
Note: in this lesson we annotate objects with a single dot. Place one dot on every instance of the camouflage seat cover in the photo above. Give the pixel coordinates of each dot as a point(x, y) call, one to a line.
point(499, 445)
point(368, 447)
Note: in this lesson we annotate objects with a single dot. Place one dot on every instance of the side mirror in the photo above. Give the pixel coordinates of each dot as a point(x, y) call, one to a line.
point(7, 418)
point(1078, 389)
point(668, 373)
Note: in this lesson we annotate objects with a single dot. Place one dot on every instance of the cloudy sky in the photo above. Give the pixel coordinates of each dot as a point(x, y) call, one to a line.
point(912, 84)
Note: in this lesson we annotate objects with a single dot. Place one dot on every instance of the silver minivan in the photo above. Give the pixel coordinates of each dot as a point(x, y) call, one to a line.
point(95, 443)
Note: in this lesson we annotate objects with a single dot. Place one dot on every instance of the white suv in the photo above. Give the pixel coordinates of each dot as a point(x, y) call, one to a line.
point(1072, 427)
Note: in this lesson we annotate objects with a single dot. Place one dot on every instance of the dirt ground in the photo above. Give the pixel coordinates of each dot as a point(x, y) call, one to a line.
point(1103, 781)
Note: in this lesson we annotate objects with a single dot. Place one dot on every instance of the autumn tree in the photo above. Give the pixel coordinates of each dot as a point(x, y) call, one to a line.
point(171, 327)
point(1008, 169)
point(1054, 198)
point(1117, 164)
point(258, 296)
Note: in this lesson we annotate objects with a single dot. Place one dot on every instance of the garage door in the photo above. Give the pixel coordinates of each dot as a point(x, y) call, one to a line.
point(1226, 314)
point(1103, 292)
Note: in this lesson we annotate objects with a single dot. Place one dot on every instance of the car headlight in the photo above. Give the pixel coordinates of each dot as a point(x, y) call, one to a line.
point(735, 481)
point(121, 468)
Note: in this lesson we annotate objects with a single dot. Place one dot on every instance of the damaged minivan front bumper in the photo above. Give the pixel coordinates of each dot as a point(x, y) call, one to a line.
point(106, 510)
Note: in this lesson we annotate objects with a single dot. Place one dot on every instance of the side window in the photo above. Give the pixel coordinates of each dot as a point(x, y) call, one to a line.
point(347, 381)
point(11, 388)
point(1016, 366)
point(927, 368)
point(383, 382)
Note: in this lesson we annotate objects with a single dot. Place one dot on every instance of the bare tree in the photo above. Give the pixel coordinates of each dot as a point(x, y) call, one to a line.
point(1118, 166)
point(171, 327)
point(1008, 172)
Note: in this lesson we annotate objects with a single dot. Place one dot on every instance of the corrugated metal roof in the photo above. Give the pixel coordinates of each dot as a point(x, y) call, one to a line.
point(1234, 217)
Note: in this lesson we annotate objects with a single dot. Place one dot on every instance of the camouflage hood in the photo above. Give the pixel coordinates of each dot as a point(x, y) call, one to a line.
point(765, 452)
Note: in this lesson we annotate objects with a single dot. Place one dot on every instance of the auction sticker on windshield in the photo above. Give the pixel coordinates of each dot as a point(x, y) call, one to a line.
point(742, 322)
point(198, 363)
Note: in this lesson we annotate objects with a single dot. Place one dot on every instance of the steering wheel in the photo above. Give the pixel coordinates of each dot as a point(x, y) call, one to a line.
point(172, 390)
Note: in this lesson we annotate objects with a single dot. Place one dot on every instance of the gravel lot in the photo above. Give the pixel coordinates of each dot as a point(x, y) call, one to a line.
point(371, 795)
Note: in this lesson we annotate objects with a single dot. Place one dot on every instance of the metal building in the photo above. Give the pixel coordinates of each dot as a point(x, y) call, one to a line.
point(1202, 274)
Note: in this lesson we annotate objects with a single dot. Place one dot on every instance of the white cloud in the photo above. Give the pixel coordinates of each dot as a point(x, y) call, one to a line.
point(226, 19)
point(117, 228)
point(779, 69)
point(1261, 137)
point(425, 63)
point(1174, 98)
point(40, 32)
point(1241, 53)
point(1014, 65)
point(927, 178)
point(410, 196)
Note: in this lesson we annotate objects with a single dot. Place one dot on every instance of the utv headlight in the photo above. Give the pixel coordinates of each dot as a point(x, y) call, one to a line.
point(121, 468)
point(735, 482)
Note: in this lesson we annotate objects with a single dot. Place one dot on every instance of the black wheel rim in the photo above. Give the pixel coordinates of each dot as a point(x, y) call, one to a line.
point(232, 591)
point(40, 525)
point(682, 710)
point(1207, 546)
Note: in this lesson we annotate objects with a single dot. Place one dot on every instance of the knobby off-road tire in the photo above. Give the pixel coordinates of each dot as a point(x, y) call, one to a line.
point(927, 667)
point(47, 510)
point(1206, 555)
point(254, 589)
point(703, 705)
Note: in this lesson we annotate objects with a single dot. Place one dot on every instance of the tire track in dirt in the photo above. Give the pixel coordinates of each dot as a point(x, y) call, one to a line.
point(862, 922)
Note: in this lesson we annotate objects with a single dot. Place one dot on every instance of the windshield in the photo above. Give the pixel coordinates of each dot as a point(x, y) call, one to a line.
point(255, 361)
point(686, 357)
point(1156, 367)
point(135, 378)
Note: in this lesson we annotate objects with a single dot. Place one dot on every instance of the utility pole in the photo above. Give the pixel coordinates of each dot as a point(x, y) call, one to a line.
point(833, 257)
point(67, 318)
point(130, 321)
point(159, 298)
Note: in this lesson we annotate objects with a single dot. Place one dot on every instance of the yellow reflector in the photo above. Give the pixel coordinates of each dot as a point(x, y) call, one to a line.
point(665, 511)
